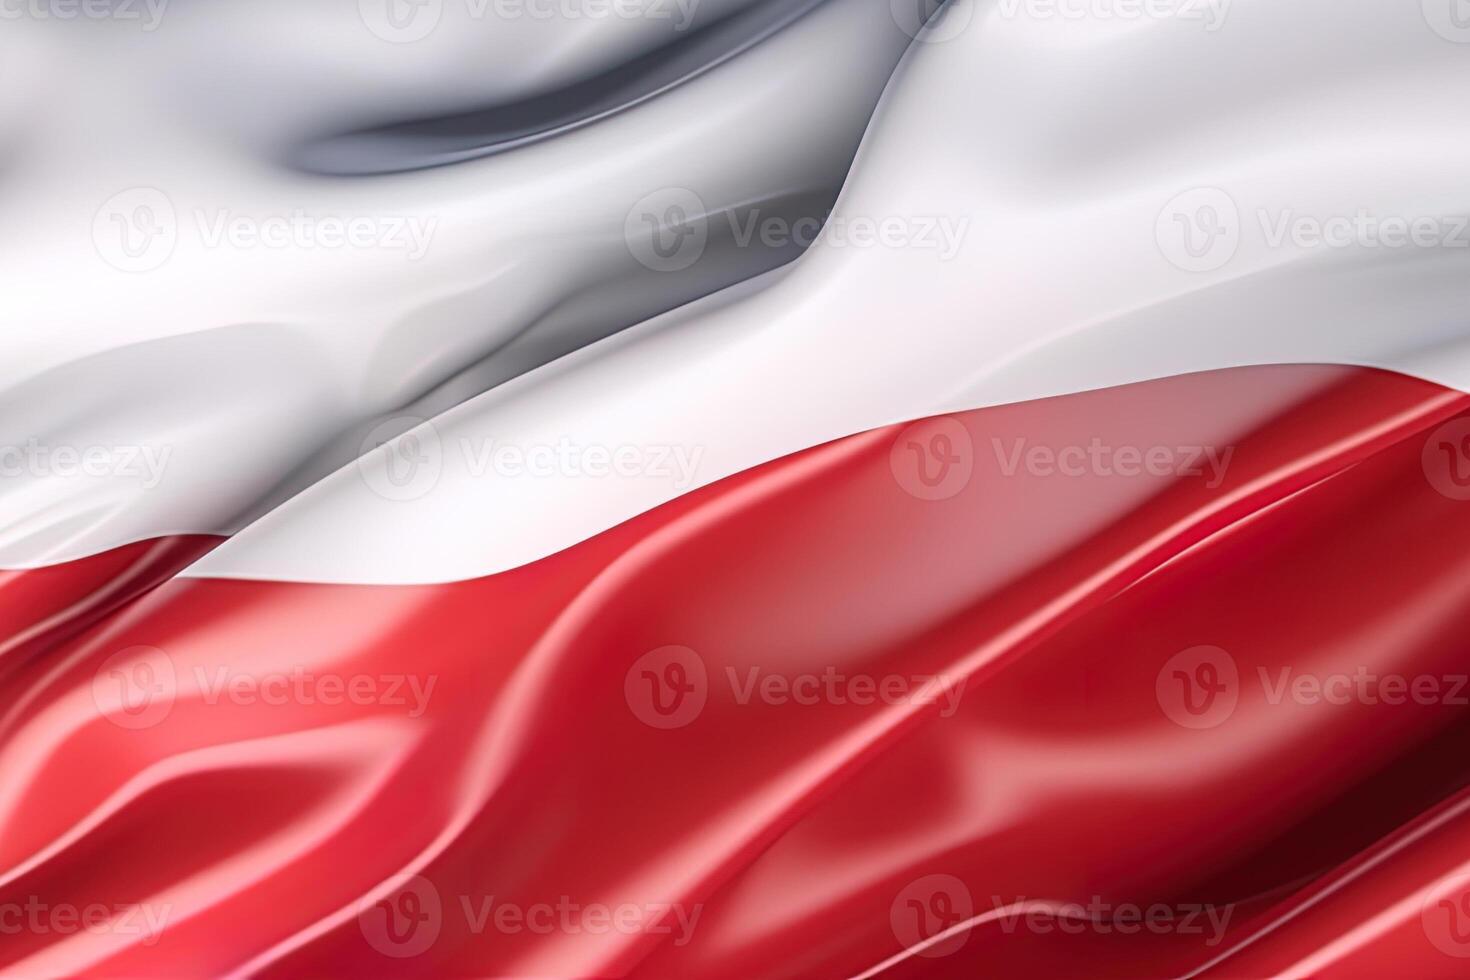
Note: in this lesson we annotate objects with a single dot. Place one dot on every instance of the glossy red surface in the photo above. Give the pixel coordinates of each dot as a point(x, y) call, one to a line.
point(40, 607)
point(916, 703)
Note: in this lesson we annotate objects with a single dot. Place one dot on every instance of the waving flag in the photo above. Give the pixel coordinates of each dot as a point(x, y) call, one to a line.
point(735, 488)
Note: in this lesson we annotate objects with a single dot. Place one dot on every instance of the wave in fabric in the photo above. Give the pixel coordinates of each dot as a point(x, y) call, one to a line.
point(924, 701)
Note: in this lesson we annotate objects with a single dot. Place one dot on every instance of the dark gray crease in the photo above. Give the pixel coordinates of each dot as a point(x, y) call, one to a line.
point(592, 312)
point(423, 143)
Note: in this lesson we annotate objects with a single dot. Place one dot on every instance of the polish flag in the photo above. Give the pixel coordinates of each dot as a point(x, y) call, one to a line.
point(1059, 569)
